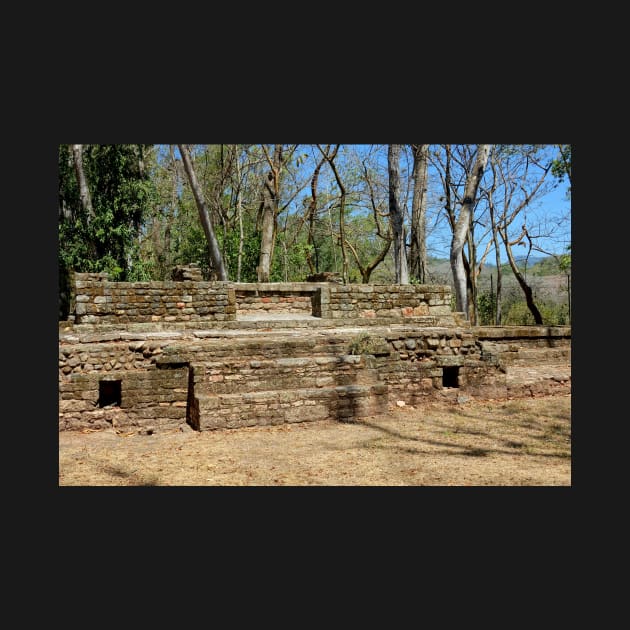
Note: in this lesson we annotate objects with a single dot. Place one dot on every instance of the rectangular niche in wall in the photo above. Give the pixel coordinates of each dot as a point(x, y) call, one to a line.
point(109, 393)
point(450, 376)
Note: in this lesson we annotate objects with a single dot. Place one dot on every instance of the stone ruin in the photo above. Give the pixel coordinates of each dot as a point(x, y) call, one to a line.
point(187, 272)
point(326, 276)
point(189, 354)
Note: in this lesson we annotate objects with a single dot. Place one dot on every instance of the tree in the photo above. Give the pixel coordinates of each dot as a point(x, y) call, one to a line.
point(84, 191)
point(330, 158)
point(105, 194)
point(401, 274)
point(374, 242)
point(312, 257)
point(418, 248)
point(519, 176)
point(461, 228)
point(561, 165)
point(269, 211)
point(495, 242)
point(216, 259)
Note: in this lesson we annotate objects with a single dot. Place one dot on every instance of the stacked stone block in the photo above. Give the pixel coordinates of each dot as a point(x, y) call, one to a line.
point(385, 301)
point(102, 301)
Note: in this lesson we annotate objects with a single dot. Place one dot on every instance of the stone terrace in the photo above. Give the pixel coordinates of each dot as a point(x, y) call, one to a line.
point(161, 356)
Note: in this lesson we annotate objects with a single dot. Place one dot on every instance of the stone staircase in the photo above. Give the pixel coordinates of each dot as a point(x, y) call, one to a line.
point(278, 379)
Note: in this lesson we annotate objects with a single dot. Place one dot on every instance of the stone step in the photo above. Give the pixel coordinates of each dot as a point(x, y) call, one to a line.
point(315, 372)
point(341, 403)
point(536, 356)
point(73, 329)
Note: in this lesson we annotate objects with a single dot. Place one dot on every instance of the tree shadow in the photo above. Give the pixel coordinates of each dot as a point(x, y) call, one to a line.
point(520, 448)
point(130, 476)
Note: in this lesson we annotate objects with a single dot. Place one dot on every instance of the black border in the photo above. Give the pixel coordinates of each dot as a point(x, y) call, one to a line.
point(382, 114)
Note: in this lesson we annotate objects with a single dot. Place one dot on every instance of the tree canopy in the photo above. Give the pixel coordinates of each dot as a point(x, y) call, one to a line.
point(265, 212)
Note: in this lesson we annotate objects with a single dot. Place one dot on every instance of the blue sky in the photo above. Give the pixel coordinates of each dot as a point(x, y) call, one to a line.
point(552, 209)
point(549, 214)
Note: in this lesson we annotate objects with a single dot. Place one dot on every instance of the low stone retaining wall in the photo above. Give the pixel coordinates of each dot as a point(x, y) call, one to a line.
point(129, 400)
point(525, 345)
point(213, 383)
point(97, 300)
point(148, 357)
point(395, 301)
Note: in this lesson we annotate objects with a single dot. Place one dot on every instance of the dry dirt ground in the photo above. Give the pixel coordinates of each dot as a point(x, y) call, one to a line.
point(519, 442)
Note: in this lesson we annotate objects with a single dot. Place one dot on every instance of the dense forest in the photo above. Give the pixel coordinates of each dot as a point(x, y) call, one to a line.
point(472, 216)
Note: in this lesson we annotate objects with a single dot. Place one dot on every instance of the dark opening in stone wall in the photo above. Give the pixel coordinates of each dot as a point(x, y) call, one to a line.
point(109, 393)
point(450, 376)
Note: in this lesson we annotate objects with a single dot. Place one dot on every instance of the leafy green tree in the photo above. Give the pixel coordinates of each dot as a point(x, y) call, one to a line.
point(249, 248)
point(101, 211)
point(561, 165)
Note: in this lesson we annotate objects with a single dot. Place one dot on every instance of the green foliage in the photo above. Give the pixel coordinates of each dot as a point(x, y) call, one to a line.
point(364, 343)
point(561, 166)
point(120, 193)
point(552, 314)
point(191, 246)
point(142, 269)
point(486, 308)
point(552, 265)
point(565, 261)
point(229, 245)
point(289, 261)
point(548, 267)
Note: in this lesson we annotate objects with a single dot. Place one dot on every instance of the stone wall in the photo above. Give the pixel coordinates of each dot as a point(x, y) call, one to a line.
point(231, 382)
point(421, 364)
point(150, 401)
point(353, 301)
point(391, 301)
point(275, 297)
point(525, 345)
point(149, 357)
point(97, 300)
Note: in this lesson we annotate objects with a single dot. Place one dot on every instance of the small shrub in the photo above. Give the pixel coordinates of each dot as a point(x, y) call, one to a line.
point(364, 343)
point(486, 308)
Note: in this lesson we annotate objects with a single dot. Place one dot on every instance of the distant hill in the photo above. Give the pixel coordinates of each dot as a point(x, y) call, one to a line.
point(543, 274)
point(531, 261)
point(535, 266)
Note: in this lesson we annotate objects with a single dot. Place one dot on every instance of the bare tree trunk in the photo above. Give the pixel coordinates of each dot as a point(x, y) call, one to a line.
point(396, 214)
point(342, 206)
point(418, 251)
point(471, 284)
point(161, 225)
point(497, 257)
point(216, 260)
point(171, 213)
point(461, 227)
point(313, 265)
point(269, 212)
point(267, 230)
point(84, 191)
point(239, 213)
point(497, 252)
point(527, 290)
point(366, 271)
